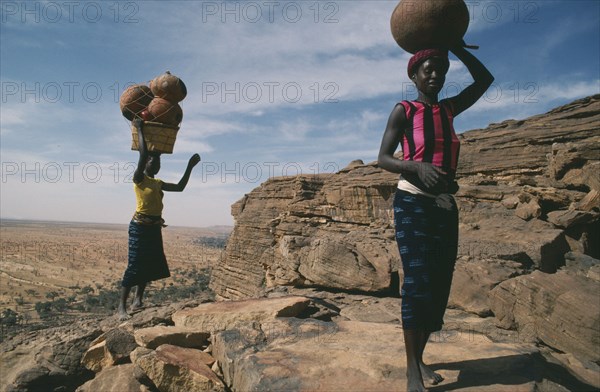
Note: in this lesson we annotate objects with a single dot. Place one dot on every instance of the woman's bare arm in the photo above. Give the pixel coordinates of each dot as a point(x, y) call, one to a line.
point(180, 186)
point(482, 81)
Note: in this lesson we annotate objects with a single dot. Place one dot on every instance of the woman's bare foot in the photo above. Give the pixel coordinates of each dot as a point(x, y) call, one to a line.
point(414, 381)
point(429, 375)
point(137, 304)
point(122, 314)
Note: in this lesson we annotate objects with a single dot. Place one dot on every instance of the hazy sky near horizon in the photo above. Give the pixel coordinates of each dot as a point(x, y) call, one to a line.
point(274, 88)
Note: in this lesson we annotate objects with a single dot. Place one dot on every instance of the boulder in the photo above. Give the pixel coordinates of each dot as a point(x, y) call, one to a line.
point(119, 344)
point(484, 192)
point(528, 207)
point(346, 261)
point(111, 348)
point(227, 314)
point(549, 199)
point(115, 379)
point(140, 351)
point(582, 265)
point(95, 356)
point(576, 163)
point(173, 368)
point(153, 337)
point(591, 202)
point(474, 278)
point(143, 378)
point(490, 231)
point(510, 202)
point(562, 308)
point(568, 218)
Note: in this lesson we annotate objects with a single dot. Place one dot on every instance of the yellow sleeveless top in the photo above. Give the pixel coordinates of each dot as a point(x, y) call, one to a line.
point(148, 196)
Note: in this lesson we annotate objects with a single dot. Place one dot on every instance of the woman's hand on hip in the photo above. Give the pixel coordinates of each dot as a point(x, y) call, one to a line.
point(430, 175)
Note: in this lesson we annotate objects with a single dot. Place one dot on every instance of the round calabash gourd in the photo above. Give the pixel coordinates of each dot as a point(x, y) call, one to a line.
point(163, 111)
point(134, 100)
point(422, 24)
point(169, 87)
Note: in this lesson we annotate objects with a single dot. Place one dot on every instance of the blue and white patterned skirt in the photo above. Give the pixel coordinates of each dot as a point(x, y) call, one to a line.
point(146, 261)
point(427, 238)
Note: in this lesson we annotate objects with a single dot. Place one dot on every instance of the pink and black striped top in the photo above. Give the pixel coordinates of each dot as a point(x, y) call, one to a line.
point(429, 136)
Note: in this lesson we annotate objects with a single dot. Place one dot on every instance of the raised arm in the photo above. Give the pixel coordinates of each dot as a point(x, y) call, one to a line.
point(481, 76)
point(180, 186)
point(138, 175)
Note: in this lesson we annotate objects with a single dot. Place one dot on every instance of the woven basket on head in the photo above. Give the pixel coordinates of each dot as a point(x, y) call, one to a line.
point(159, 137)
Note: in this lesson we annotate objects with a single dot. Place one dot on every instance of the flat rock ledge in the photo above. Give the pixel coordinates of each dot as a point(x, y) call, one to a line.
point(273, 344)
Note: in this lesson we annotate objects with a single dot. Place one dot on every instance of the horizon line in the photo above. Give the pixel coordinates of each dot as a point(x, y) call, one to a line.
point(3, 219)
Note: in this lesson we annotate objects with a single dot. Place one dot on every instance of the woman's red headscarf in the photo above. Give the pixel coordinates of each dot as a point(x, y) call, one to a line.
point(424, 55)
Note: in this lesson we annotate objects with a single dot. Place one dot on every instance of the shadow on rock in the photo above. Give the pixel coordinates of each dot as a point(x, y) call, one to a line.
point(507, 372)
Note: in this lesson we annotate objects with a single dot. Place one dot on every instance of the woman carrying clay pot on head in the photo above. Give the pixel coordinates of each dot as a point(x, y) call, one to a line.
point(425, 213)
point(147, 261)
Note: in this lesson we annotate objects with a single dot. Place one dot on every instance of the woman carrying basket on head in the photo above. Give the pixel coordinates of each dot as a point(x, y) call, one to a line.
point(146, 260)
point(425, 213)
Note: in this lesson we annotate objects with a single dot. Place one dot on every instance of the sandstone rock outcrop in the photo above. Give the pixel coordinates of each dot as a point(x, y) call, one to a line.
point(330, 230)
point(528, 195)
point(308, 355)
point(359, 349)
point(518, 195)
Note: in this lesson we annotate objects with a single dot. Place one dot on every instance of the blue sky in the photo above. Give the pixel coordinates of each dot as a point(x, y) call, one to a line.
point(274, 88)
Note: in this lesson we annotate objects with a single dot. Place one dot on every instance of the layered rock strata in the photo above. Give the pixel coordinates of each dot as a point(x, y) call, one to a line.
point(529, 195)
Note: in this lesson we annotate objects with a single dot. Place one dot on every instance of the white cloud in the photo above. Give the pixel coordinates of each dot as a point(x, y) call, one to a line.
point(187, 145)
point(531, 98)
point(205, 126)
point(296, 130)
point(568, 90)
point(11, 116)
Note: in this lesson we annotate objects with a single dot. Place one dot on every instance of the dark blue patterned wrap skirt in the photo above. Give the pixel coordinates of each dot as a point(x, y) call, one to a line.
point(427, 237)
point(147, 261)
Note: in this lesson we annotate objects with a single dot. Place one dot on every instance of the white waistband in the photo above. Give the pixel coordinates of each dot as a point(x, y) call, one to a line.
point(406, 186)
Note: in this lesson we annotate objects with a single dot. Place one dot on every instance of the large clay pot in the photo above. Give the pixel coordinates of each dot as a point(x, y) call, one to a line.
point(162, 111)
point(169, 87)
point(422, 24)
point(134, 100)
